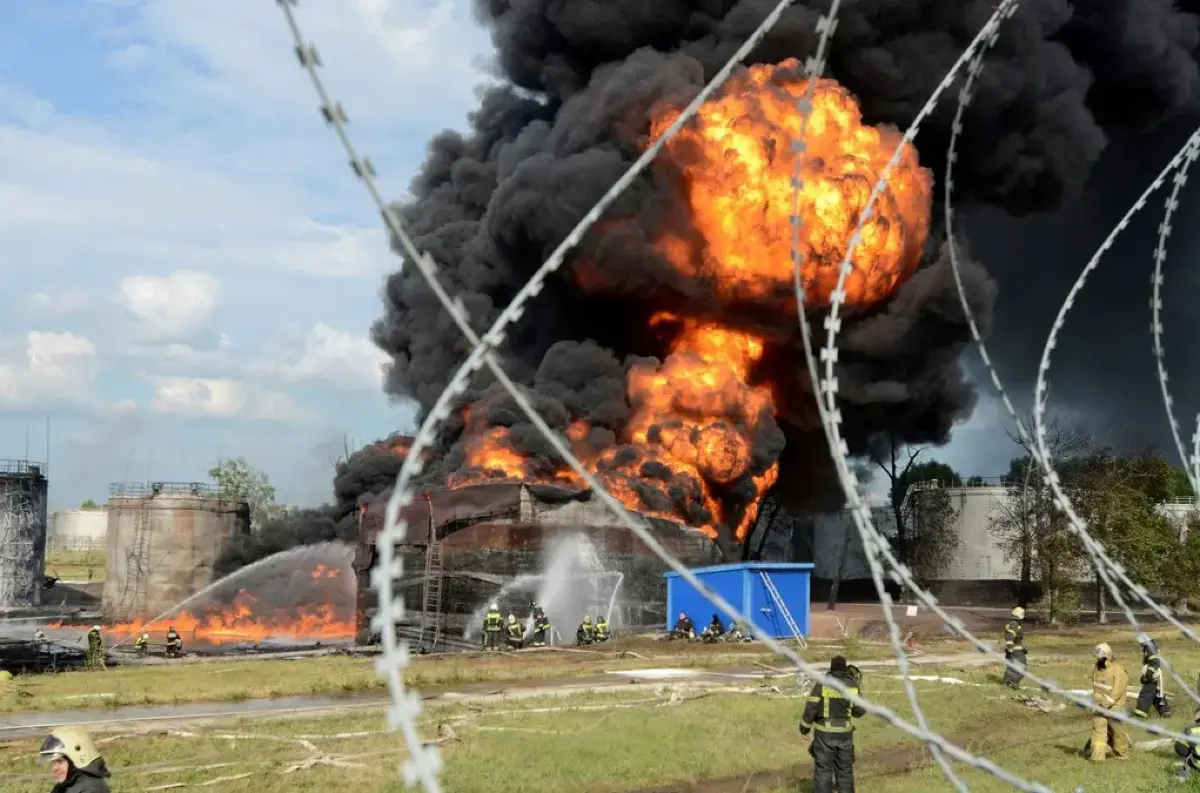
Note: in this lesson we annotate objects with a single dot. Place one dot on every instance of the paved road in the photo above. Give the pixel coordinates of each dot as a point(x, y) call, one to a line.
point(14, 726)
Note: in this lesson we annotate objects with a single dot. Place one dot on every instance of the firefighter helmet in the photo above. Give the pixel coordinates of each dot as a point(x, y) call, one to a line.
point(1102, 651)
point(1018, 613)
point(73, 743)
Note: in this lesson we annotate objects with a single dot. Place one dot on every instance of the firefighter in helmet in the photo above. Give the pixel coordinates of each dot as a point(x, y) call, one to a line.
point(602, 633)
point(1109, 684)
point(1189, 752)
point(829, 714)
point(515, 635)
point(174, 643)
point(95, 648)
point(541, 626)
point(586, 633)
point(1014, 648)
point(78, 766)
point(1152, 693)
point(492, 624)
point(142, 645)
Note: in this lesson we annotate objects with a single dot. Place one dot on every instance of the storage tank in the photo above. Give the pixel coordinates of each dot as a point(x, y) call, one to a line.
point(23, 489)
point(163, 540)
point(78, 530)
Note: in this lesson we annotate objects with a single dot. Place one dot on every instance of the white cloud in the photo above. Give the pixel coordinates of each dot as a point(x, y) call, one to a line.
point(55, 366)
point(171, 307)
point(339, 358)
point(221, 398)
point(60, 304)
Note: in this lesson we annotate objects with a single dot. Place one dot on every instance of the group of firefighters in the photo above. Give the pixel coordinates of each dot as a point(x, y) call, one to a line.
point(95, 657)
point(513, 630)
point(713, 632)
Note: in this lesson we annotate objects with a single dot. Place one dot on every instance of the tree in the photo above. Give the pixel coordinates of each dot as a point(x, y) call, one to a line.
point(925, 530)
point(1179, 572)
point(89, 504)
point(975, 481)
point(239, 480)
point(773, 522)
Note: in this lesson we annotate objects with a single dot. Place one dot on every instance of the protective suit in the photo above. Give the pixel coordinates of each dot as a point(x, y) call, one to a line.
point(1109, 684)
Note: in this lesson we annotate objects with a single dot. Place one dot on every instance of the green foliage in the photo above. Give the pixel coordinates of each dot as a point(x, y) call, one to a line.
point(239, 480)
point(89, 504)
point(928, 471)
point(1180, 567)
point(975, 481)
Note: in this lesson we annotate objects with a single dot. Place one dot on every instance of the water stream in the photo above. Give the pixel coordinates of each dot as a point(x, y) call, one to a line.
point(272, 581)
point(573, 583)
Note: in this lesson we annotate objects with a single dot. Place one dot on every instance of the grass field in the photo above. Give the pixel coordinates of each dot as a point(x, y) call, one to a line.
point(76, 566)
point(671, 737)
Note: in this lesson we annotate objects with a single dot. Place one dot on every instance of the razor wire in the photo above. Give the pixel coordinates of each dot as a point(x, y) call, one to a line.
point(425, 763)
point(1104, 566)
point(1190, 464)
point(814, 68)
point(872, 539)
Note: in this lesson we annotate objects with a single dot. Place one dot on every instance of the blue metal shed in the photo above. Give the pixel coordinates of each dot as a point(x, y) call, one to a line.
point(748, 588)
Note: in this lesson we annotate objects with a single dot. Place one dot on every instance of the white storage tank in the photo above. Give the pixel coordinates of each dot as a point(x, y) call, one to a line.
point(78, 529)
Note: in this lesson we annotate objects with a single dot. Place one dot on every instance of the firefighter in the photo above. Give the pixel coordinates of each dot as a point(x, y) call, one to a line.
point(492, 623)
point(39, 636)
point(586, 633)
point(684, 629)
point(714, 631)
point(829, 713)
point(174, 643)
point(1152, 694)
point(1189, 753)
point(515, 635)
point(1109, 684)
point(78, 766)
point(602, 633)
point(1014, 647)
point(95, 648)
point(541, 626)
point(736, 634)
point(142, 645)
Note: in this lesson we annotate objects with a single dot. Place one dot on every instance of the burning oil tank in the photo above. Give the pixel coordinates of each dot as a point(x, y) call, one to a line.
point(163, 539)
point(491, 535)
point(23, 488)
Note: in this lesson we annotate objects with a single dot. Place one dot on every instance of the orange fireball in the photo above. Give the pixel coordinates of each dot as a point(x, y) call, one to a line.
point(737, 161)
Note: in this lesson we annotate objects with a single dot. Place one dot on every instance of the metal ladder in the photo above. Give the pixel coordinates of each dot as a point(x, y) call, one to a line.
point(137, 563)
point(783, 609)
point(431, 614)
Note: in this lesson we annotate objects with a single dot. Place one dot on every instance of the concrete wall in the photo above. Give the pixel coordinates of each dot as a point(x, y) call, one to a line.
point(78, 530)
point(23, 491)
point(161, 549)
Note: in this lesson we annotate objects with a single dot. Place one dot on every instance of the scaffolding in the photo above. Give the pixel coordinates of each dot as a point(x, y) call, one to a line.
point(138, 500)
point(22, 527)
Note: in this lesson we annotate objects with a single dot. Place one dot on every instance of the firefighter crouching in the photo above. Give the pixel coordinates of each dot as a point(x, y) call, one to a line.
point(585, 633)
point(492, 624)
point(1109, 684)
point(714, 631)
point(1152, 693)
point(516, 633)
point(684, 629)
point(78, 766)
point(1189, 753)
point(541, 626)
point(174, 643)
point(829, 714)
point(1014, 648)
point(602, 634)
point(142, 645)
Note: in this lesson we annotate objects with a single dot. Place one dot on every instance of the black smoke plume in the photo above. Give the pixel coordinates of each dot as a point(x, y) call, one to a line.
point(578, 80)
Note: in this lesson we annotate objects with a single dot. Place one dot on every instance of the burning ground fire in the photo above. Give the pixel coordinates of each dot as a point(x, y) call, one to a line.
point(688, 451)
point(247, 620)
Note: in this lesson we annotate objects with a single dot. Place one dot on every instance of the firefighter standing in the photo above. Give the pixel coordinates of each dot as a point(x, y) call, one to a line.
point(1152, 694)
point(602, 634)
point(492, 623)
point(684, 629)
point(1014, 648)
point(585, 633)
point(714, 631)
point(142, 645)
point(95, 649)
point(516, 633)
point(174, 643)
point(541, 626)
point(78, 766)
point(1189, 753)
point(1109, 684)
point(829, 714)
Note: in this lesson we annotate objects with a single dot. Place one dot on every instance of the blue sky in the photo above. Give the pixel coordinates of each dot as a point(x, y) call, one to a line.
point(191, 270)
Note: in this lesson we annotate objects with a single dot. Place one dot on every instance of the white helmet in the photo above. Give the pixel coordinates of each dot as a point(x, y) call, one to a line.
point(1102, 650)
point(1018, 613)
point(495, 606)
point(95, 627)
point(73, 743)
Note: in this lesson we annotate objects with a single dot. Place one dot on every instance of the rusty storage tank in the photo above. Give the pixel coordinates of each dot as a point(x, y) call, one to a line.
point(163, 540)
point(23, 488)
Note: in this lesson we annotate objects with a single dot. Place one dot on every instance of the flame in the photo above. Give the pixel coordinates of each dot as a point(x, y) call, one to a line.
point(247, 620)
point(737, 164)
point(687, 453)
